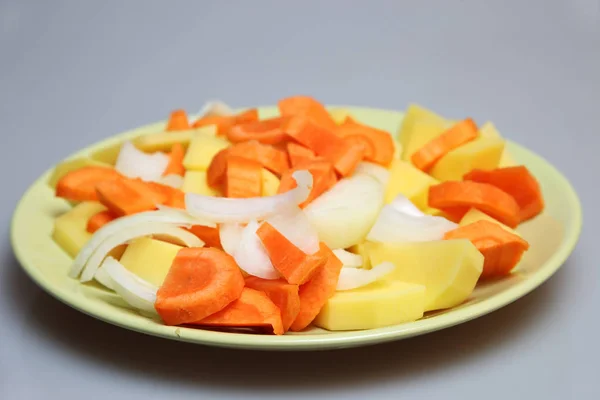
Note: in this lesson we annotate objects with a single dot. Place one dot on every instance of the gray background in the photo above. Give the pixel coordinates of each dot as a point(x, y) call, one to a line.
point(74, 72)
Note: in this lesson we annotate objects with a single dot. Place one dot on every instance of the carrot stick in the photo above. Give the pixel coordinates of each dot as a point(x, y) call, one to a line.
point(343, 155)
point(243, 178)
point(178, 121)
point(129, 196)
point(267, 131)
point(459, 134)
point(379, 145)
point(80, 184)
point(283, 294)
point(298, 153)
point(324, 178)
point(217, 170)
point(460, 196)
point(315, 293)
point(98, 220)
point(501, 249)
point(308, 107)
point(200, 282)
point(271, 158)
point(210, 236)
point(516, 181)
point(252, 309)
point(176, 161)
point(292, 263)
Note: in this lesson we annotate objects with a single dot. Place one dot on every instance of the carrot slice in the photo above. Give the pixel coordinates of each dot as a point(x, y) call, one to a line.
point(267, 131)
point(252, 309)
point(315, 293)
point(80, 184)
point(275, 160)
point(129, 196)
point(176, 156)
point(176, 200)
point(225, 122)
point(283, 294)
point(178, 121)
point(217, 169)
point(200, 282)
point(324, 178)
point(98, 220)
point(243, 178)
point(292, 263)
point(210, 236)
point(298, 153)
point(516, 181)
point(308, 107)
point(459, 196)
point(459, 134)
point(343, 155)
point(501, 249)
point(379, 145)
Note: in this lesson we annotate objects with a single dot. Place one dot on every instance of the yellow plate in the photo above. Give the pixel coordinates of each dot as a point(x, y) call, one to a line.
point(552, 235)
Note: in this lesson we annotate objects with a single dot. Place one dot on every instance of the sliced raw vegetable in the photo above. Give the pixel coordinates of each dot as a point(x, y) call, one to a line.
point(243, 178)
point(178, 121)
point(267, 131)
point(251, 255)
point(215, 107)
point(404, 205)
point(378, 172)
point(80, 184)
point(348, 259)
point(407, 180)
point(134, 163)
point(126, 197)
point(210, 236)
point(201, 282)
point(306, 107)
point(175, 166)
point(296, 227)
point(102, 277)
point(270, 183)
point(271, 158)
point(230, 236)
point(352, 278)
point(171, 180)
point(381, 143)
point(150, 258)
point(298, 153)
point(324, 178)
point(217, 170)
point(201, 151)
point(283, 294)
point(98, 220)
point(63, 168)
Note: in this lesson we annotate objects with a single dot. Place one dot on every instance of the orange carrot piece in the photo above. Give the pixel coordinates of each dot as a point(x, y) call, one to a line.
point(225, 122)
point(516, 181)
point(252, 309)
point(501, 249)
point(460, 133)
point(292, 263)
point(273, 159)
point(176, 200)
point(80, 184)
point(315, 293)
point(210, 236)
point(217, 170)
point(178, 121)
point(129, 196)
point(307, 107)
point(243, 178)
point(176, 160)
point(267, 131)
point(379, 145)
point(343, 155)
point(98, 220)
point(456, 196)
point(283, 294)
point(298, 153)
point(200, 282)
point(324, 178)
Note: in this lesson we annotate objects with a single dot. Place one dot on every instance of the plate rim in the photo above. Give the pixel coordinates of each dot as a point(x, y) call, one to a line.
point(297, 342)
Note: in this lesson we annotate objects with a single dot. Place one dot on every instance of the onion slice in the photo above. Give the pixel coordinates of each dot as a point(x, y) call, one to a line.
point(215, 108)
point(296, 227)
point(134, 163)
point(348, 259)
point(251, 256)
point(352, 278)
point(223, 210)
point(376, 171)
point(102, 277)
point(404, 205)
point(230, 236)
point(152, 228)
point(135, 291)
point(166, 215)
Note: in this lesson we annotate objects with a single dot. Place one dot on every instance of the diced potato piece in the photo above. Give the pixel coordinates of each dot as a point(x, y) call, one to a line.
point(482, 153)
point(489, 130)
point(339, 115)
point(270, 183)
point(163, 141)
point(449, 269)
point(409, 181)
point(380, 304)
point(70, 229)
point(362, 250)
point(195, 182)
point(150, 259)
point(474, 215)
point(201, 151)
point(418, 127)
point(65, 167)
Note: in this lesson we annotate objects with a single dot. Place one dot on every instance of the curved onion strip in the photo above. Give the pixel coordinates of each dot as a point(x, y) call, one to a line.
point(378, 172)
point(134, 163)
point(404, 205)
point(152, 228)
point(167, 215)
point(352, 278)
point(135, 291)
point(222, 210)
point(172, 180)
point(348, 259)
point(251, 256)
point(215, 107)
point(296, 227)
point(102, 277)
point(230, 236)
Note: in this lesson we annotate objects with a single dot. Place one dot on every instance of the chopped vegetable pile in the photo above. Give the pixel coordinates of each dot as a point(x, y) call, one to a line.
point(309, 218)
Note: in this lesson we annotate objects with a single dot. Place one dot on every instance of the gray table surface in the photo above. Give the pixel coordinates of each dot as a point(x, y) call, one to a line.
point(74, 72)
